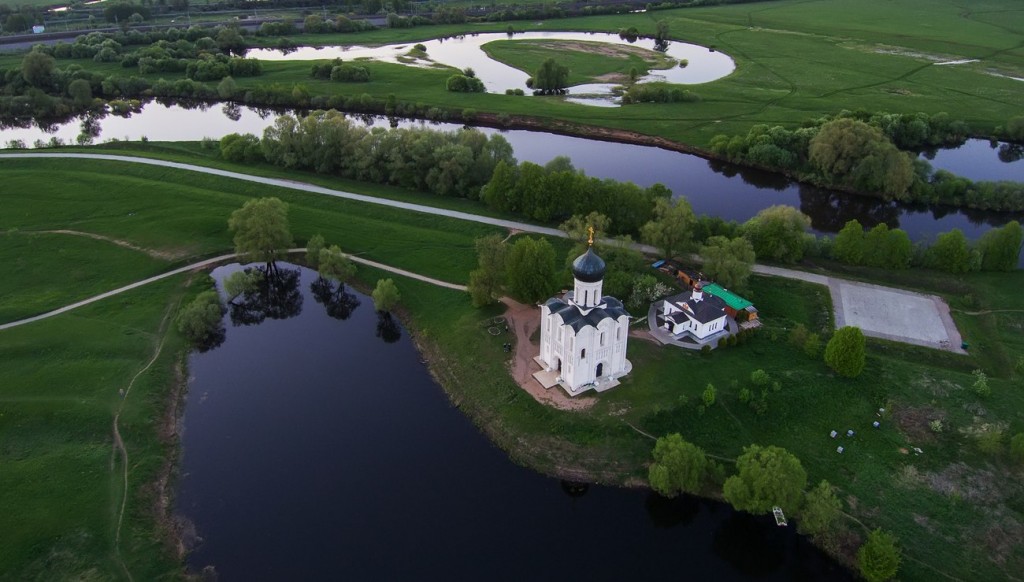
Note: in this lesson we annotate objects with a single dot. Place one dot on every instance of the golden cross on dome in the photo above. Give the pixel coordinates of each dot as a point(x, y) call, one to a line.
point(590, 239)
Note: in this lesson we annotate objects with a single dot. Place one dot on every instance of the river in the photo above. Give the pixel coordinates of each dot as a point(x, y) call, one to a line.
point(319, 448)
point(713, 188)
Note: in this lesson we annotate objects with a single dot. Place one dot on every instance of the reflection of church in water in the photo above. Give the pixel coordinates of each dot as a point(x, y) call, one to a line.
point(583, 334)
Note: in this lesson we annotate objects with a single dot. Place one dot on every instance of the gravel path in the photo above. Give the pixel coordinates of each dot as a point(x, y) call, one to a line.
point(917, 322)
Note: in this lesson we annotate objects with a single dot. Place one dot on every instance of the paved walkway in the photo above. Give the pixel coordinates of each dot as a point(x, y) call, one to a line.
point(207, 263)
point(907, 318)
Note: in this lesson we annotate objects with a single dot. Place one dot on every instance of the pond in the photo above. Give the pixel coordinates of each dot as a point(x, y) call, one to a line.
point(319, 446)
point(713, 188)
point(704, 65)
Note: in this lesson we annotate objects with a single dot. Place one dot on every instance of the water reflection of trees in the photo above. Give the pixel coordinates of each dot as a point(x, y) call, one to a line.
point(830, 211)
point(337, 301)
point(1010, 152)
point(212, 340)
point(388, 328)
point(751, 544)
point(752, 176)
point(666, 513)
point(276, 296)
point(232, 111)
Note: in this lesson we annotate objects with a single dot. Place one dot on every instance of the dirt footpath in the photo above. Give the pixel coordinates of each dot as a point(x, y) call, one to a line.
point(524, 320)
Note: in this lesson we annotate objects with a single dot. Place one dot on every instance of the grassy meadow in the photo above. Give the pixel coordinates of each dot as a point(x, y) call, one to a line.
point(950, 507)
point(588, 62)
point(796, 60)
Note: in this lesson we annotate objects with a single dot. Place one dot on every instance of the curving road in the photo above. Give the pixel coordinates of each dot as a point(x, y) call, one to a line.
point(909, 317)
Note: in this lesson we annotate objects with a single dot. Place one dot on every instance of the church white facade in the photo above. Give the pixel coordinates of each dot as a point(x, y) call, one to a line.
point(583, 335)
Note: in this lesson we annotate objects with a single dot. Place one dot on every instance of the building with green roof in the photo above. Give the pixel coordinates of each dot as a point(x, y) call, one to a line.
point(734, 304)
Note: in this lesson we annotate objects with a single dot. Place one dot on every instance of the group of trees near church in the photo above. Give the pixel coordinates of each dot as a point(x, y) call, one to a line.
point(556, 191)
point(873, 154)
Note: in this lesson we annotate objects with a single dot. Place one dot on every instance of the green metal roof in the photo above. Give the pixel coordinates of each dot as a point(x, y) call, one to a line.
point(731, 299)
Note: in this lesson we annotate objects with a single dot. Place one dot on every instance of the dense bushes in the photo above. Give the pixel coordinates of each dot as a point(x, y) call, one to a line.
point(557, 192)
point(658, 93)
point(464, 84)
point(449, 164)
point(350, 74)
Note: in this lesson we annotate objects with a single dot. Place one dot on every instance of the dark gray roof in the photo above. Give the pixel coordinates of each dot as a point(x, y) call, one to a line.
point(573, 317)
point(588, 267)
point(707, 309)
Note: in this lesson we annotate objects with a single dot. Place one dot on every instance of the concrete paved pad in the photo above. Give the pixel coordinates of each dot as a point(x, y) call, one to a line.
point(894, 314)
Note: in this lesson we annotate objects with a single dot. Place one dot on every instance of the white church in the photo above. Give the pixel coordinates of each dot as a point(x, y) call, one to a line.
point(583, 334)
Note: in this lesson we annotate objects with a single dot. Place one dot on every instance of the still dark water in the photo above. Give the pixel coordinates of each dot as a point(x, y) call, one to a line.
point(713, 188)
point(319, 448)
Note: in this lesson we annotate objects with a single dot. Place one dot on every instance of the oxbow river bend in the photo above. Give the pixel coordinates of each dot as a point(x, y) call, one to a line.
point(713, 188)
point(319, 447)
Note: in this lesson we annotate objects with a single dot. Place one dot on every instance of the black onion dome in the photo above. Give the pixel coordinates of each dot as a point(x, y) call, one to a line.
point(588, 267)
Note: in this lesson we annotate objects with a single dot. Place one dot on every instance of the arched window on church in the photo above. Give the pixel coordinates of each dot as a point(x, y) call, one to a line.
point(618, 334)
point(602, 339)
point(583, 354)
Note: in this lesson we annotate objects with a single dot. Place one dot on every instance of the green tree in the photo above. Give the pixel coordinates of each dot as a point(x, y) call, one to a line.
point(551, 77)
point(578, 226)
point(848, 246)
point(487, 282)
point(1000, 247)
point(678, 467)
point(767, 477)
point(950, 253)
point(227, 87)
point(37, 69)
point(385, 295)
point(708, 396)
point(777, 233)
point(845, 352)
point(313, 247)
point(854, 154)
point(821, 508)
point(336, 266)
point(261, 230)
point(879, 557)
point(530, 269)
point(80, 92)
point(201, 321)
point(671, 228)
point(728, 261)
point(661, 32)
point(242, 283)
point(887, 249)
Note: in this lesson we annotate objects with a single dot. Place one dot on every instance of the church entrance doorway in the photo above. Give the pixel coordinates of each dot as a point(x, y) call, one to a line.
point(559, 360)
point(600, 368)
